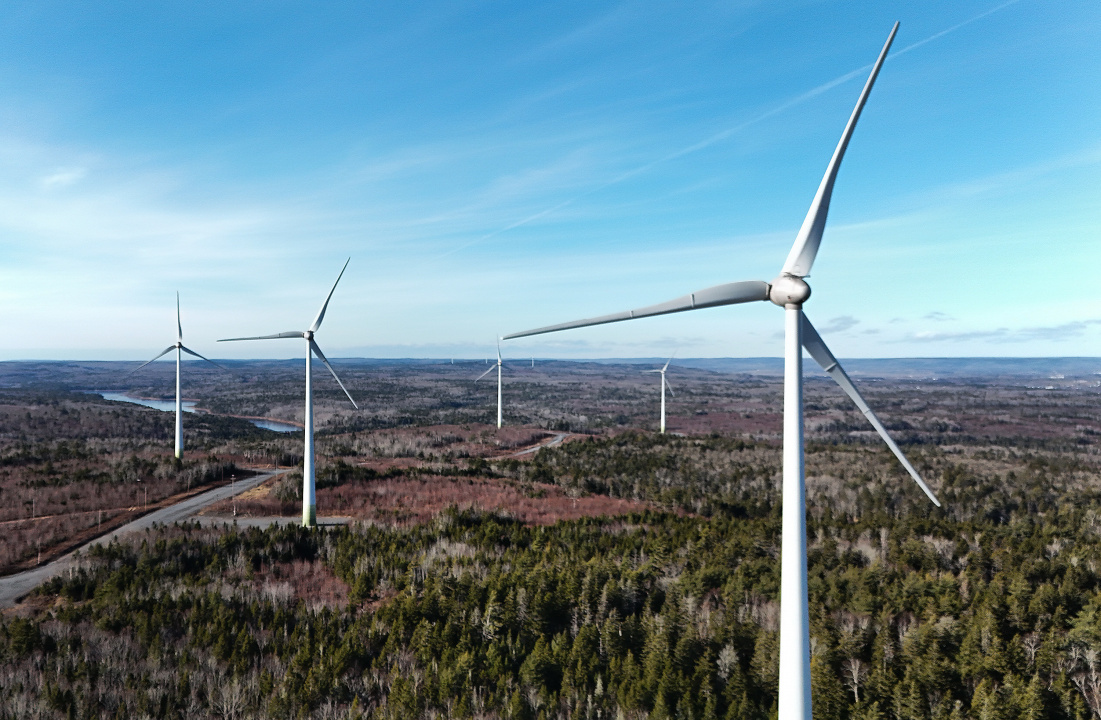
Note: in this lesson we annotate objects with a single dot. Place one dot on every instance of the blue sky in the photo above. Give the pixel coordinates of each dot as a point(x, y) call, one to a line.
point(491, 167)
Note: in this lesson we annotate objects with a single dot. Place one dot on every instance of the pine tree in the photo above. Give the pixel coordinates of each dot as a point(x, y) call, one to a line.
point(1029, 701)
point(986, 703)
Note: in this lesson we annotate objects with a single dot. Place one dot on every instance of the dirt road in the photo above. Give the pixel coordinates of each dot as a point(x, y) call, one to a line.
point(556, 440)
point(14, 587)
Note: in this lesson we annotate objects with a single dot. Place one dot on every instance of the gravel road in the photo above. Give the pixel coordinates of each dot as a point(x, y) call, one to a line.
point(14, 587)
point(556, 440)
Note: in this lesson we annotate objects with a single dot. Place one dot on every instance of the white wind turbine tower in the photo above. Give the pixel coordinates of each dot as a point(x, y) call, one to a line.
point(309, 502)
point(788, 290)
point(498, 367)
point(178, 347)
point(664, 384)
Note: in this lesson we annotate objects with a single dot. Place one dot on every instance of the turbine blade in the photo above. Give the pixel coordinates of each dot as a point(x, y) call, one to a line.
point(167, 350)
point(801, 257)
point(179, 325)
point(325, 306)
point(668, 386)
point(498, 349)
point(669, 361)
point(812, 341)
point(288, 334)
point(192, 352)
point(727, 294)
point(650, 371)
point(487, 372)
point(321, 356)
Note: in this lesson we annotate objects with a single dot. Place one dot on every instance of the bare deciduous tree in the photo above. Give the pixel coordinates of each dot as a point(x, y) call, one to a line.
point(1032, 643)
point(1088, 680)
point(228, 700)
point(854, 672)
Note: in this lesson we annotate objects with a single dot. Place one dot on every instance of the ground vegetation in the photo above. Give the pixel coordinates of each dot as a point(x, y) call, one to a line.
point(444, 597)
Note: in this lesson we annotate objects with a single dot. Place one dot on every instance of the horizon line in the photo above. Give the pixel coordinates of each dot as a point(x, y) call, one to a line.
point(518, 358)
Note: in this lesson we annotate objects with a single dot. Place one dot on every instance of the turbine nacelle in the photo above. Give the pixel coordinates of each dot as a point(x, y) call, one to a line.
point(788, 290)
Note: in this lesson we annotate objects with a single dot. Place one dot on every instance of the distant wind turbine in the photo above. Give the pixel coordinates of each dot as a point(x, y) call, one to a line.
point(309, 501)
point(664, 384)
point(788, 290)
point(487, 372)
point(178, 347)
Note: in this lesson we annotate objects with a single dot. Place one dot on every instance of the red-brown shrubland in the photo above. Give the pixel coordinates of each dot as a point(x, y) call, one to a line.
point(402, 500)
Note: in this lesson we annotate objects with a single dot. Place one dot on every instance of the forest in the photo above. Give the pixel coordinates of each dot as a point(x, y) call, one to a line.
point(664, 607)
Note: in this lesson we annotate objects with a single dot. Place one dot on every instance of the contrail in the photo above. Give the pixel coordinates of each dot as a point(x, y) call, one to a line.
point(524, 221)
point(724, 134)
point(942, 33)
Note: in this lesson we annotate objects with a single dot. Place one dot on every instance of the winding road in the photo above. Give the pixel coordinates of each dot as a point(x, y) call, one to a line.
point(14, 587)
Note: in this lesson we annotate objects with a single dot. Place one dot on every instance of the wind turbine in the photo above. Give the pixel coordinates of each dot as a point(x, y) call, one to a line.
point(664, 384)
point(788, 290)
point(178, 347)
point(309, 502)
point(487, 372)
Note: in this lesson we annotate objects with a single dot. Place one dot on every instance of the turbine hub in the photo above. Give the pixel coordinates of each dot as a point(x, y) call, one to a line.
point(788, 290)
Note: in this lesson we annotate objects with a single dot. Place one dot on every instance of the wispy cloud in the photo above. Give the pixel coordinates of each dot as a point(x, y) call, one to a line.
point(1056, 333)
point(840, 324)
point(938, 316)
point(64, 177)
point(1049, 333)
point(1017, 177)
point(133, 216)
point(714, 138)
point(928, 336)
point(608, 23)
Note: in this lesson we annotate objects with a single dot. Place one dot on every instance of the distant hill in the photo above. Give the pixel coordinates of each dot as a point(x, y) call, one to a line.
point(94, 373)
point(917, 368)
